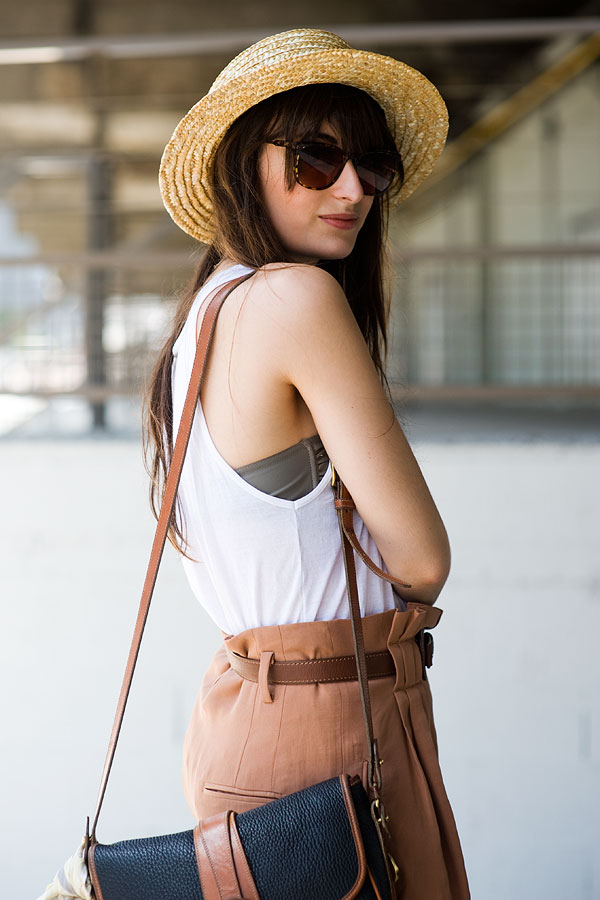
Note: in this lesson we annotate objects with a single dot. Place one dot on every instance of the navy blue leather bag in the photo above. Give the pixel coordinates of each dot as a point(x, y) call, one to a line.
point(327, 841)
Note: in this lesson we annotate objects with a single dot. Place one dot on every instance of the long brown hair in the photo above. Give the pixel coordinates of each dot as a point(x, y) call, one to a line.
point(243, 232)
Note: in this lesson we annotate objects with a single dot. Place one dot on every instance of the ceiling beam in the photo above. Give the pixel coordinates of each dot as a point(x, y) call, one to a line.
point(497, 120)
point(48, 49)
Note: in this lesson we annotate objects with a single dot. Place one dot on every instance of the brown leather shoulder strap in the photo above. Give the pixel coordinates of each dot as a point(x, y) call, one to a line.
point(162, 527)
point(344, 505)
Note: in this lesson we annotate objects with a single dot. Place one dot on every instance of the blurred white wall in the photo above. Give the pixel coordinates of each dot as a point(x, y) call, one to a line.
point(515, 679)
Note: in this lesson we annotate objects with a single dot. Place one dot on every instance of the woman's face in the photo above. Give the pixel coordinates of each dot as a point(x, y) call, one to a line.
point(313, 225)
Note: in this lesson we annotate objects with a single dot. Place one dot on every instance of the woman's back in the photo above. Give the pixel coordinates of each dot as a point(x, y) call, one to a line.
point(257, 559)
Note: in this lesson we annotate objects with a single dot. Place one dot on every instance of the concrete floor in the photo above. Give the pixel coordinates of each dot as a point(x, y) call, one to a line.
point(516, 679)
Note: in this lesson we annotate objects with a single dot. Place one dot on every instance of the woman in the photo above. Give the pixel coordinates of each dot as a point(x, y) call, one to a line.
point(286, 169)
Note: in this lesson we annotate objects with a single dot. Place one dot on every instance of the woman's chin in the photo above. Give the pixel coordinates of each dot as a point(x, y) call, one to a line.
point(326, 252)
point(337, 254)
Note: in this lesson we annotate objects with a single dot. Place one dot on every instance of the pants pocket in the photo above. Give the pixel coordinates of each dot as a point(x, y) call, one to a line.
point(217, 798)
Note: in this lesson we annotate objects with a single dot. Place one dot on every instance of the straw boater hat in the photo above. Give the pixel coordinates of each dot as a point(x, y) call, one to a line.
point(415, 112)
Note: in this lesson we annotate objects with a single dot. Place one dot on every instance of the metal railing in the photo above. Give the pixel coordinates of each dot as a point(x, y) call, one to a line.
point(496, 321)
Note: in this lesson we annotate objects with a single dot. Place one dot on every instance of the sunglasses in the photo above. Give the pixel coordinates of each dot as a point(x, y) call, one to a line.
point(318, 165)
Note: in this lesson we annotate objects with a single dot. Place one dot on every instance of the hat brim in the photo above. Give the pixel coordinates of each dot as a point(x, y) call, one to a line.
point(415, 113)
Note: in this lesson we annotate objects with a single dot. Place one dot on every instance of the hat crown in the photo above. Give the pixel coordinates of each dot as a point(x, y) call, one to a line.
point(277, 48)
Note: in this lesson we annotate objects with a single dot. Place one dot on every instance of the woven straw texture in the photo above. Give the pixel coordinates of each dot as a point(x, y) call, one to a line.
point(415, 112)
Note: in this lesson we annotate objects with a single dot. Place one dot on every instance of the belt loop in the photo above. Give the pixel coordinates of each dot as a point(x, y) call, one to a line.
point(424, 641)
point(266, 658)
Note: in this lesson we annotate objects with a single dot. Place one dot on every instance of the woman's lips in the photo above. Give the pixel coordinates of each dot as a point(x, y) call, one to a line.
point(344, 222)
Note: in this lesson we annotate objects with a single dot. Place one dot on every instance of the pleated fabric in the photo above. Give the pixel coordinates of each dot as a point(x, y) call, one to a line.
point(246, 745)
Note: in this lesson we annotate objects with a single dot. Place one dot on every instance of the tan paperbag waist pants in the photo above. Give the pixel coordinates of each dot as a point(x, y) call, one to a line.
point(246, 746)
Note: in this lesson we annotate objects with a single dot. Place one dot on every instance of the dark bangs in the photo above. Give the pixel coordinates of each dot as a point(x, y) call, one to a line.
point(357, 119)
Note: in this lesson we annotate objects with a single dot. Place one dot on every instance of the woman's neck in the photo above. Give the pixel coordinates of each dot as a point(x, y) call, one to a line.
point(225, 263)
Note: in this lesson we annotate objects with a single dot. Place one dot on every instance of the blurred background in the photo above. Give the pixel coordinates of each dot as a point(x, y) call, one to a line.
point(494, 366)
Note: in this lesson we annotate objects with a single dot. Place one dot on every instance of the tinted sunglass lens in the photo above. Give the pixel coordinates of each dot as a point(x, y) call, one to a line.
point(319, 165)
point(376, 171)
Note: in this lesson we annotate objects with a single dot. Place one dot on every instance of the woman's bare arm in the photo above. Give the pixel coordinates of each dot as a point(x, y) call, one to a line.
point(317, 347)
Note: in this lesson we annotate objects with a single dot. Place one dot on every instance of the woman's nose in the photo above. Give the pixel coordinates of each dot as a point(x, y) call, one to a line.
point(348, 184)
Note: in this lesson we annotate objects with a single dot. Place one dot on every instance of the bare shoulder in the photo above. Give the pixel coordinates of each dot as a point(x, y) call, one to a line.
point(298, 294)
point(301, 318)
point(295, 276)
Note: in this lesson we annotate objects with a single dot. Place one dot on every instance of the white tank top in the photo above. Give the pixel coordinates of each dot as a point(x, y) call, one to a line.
point(258, 559)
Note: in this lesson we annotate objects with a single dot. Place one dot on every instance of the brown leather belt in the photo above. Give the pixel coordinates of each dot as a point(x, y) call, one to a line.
point(309, 671)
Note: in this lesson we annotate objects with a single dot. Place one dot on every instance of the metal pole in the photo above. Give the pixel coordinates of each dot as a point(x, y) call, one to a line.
point(99, 182)
point(486, 299)
point(386, 34)
point(99, 239)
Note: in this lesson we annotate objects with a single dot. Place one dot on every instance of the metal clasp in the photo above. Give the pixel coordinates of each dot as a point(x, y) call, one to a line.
point(395, 868)
point(374, 769)
point(378, 815)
